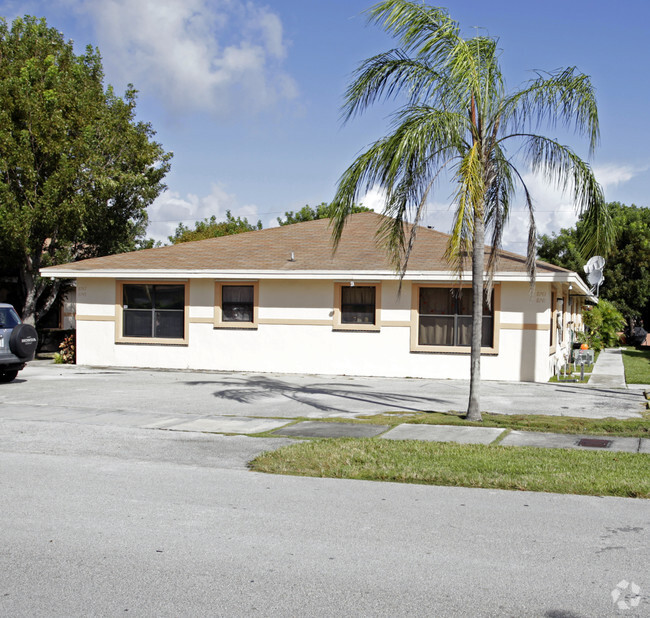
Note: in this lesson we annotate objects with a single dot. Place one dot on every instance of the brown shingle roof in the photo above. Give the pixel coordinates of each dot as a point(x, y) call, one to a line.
point(311, 245)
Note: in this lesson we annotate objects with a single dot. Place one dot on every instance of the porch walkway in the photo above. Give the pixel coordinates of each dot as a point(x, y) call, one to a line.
point(608, 370)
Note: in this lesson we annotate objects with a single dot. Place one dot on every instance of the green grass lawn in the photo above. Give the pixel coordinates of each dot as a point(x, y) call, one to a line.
point(633, 427)
point(468, 465)
point(465, 465)
point(637, 366)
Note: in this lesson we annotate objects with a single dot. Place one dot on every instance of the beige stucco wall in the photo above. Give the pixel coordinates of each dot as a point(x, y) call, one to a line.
point(295, 335)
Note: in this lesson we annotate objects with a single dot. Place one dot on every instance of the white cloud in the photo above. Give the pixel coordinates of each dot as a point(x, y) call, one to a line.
point(170, 209)
point(555, 209)
point(375, 199)
point(219, 56)
point(611, 175)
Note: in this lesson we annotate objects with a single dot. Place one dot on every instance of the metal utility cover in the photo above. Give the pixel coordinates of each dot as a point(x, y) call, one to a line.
point(594, 442)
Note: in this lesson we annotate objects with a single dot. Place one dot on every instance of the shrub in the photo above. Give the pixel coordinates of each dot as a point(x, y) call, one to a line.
point(603, 323)
point(68, 352)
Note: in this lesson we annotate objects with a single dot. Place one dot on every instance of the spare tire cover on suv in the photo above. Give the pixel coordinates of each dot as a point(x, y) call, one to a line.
point(23, 341)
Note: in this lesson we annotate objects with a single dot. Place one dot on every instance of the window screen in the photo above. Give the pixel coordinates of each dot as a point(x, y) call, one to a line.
point(237, 303)
point(358, 304)
point(445, 318)
point(156, 311)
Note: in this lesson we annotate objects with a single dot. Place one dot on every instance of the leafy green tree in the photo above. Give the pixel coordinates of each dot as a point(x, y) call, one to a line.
point(77, 171)
point(603, 323)
point(211, 228)
point(627, 265)
point(563, 250)
point(456, 117)
point(307, 213)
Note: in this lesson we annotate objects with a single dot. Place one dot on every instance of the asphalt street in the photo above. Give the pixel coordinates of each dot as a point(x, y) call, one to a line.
point(107, 520)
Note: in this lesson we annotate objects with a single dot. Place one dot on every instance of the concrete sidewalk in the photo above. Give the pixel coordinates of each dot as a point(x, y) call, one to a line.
point(609, 371)
point(489, 435)
point(467, 435)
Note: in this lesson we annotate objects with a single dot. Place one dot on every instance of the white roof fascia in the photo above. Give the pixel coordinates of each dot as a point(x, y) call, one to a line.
point(368, 275)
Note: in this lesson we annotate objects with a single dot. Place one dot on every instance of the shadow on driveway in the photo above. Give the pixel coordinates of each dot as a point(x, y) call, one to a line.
point(339, 397)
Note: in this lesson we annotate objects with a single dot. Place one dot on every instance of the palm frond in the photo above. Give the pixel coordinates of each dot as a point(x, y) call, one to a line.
point(597, 234)
point(403, 164)
point(566, 96)
point(531, 247)
point(470, 204)
point(385, 76)
point(422, 29)
point(560, 165)
point(497, 205)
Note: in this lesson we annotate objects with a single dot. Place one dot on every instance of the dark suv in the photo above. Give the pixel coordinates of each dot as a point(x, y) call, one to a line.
point(18, 343)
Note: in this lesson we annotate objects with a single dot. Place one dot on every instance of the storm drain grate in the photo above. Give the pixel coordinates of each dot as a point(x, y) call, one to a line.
point(594, 442)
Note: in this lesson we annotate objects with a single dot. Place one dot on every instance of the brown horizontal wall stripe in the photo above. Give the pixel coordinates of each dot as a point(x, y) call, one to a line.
point(527, 326)
point(307, 322)
point(274, 321)
point(295, 322)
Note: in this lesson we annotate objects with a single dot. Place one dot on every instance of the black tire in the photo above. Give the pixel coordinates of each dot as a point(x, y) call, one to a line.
point(23, 341)
point(7, 376)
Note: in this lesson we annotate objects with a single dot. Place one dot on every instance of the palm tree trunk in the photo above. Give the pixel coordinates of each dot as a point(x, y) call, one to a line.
point(478, 267)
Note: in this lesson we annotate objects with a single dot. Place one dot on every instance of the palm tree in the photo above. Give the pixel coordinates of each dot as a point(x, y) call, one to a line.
point(457, 119)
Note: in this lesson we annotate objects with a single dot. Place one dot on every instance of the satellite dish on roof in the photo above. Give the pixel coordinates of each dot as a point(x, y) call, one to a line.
point(595, 263)
point(594, 269)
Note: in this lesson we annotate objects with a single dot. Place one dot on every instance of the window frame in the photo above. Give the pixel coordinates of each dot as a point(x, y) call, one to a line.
point(553, 336)
point(218, 309)
point(453, 349)
point(561, 317)
point(119, 313)
point(338, 325)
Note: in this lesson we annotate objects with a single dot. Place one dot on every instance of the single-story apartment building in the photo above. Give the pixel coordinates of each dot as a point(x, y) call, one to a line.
point(281, 300)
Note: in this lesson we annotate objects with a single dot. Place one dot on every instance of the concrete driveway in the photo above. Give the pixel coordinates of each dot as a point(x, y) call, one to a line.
point(167, 399)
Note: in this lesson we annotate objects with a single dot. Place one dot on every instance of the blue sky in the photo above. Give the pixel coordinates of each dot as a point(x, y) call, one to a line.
point(247, 93)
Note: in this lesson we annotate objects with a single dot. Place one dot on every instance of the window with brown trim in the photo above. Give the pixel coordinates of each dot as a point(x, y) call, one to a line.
point(441, 319)
point(356, 307)
point(236, 304)
point(553, 334)
point(153, 311)
point(560, 320)
point(445, 318)
point(358, 304)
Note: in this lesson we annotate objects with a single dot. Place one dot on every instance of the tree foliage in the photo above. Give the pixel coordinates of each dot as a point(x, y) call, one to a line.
point(211, 228)
point(322, 211)
point(457, 119)
point(77, 171)
point(627, 264)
